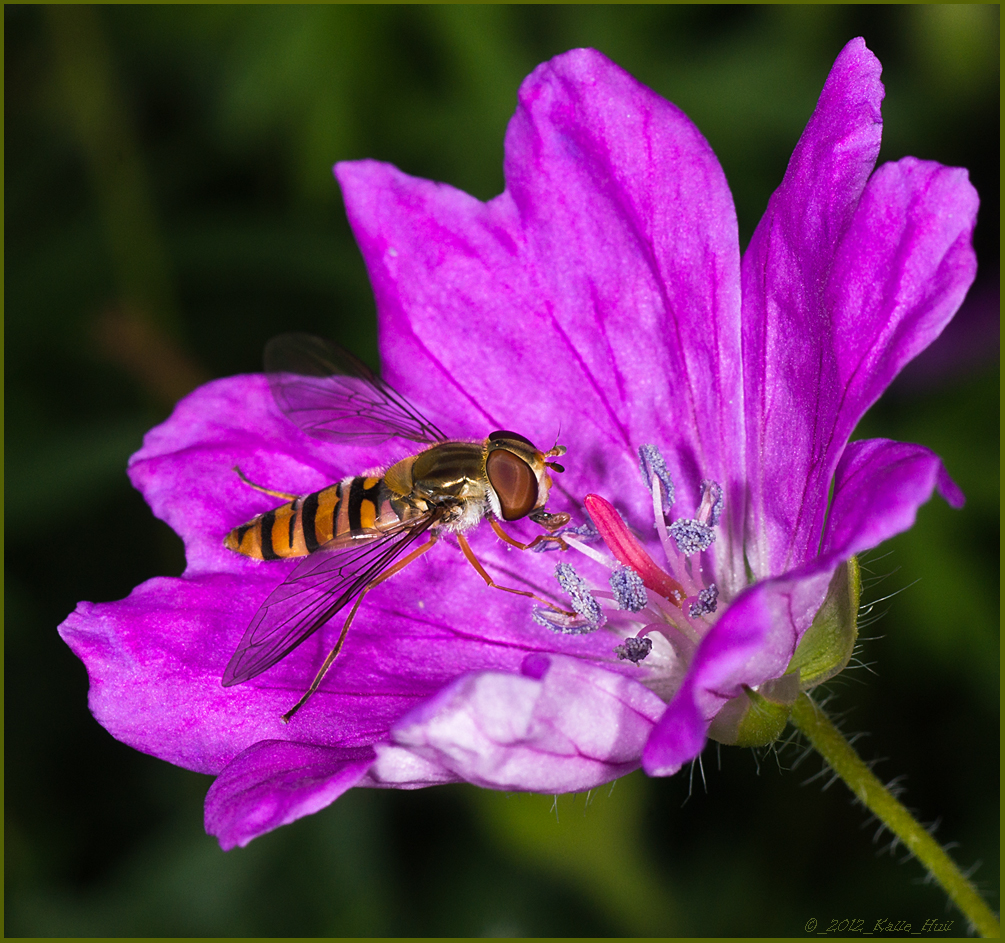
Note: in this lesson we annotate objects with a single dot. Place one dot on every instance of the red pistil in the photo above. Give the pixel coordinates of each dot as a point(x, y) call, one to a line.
point(622, 543)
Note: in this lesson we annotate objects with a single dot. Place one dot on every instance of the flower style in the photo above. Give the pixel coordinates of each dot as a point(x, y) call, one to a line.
point(602, 295)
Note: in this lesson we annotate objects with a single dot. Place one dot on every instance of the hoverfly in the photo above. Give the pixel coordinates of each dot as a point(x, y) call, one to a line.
point(354, 534)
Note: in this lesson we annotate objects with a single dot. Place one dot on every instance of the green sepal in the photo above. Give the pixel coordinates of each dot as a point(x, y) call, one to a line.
point(756, 718)
point(827, 646)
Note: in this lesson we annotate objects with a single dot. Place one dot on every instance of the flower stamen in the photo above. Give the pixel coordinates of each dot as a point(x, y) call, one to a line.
point(634, 649)
point(655, 474)
point(706, 603)
point(675, 597)
point(589, 616)
point(629, 589)
point(711, 502)
point(691, 536)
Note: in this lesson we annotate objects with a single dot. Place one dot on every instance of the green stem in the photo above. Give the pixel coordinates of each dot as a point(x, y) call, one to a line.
point(840, 756)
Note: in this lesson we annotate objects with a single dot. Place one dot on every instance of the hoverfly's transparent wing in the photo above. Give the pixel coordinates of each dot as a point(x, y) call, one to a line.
point(331, 394)
point(321, 585)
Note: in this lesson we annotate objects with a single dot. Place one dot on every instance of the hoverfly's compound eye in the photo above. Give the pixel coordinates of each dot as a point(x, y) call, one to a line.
point(513, 480)
point(503, 434)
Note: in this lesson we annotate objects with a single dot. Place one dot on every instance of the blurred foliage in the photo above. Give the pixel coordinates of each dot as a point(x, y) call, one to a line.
point(169, 207)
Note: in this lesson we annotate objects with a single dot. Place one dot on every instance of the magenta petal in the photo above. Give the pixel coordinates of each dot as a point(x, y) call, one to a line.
point(276, 782)
point(752, 643)
point(154, 662)
point(602, 286)
point(878, 488)
point(843, 282)
point(901, 272)
point(631, 221)
point(562, 726)
point(787, 366)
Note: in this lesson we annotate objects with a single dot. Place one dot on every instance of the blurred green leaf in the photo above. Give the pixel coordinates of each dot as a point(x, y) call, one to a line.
point(45, 480)
point(594, 842)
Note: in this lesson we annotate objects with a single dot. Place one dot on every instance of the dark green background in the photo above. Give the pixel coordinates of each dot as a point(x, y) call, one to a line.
point(169, 207)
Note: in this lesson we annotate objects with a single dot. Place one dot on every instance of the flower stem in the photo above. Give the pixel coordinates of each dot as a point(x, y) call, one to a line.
point(840, 756)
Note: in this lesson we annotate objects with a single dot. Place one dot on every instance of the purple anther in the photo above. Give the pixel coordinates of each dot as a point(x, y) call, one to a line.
point(629, 590)
point(563, 622)
point(707, 601)
point(634, 649)
point(711, 502)
point(582, 600)
point(651, 463)
point(691, 536)
point(585, 532)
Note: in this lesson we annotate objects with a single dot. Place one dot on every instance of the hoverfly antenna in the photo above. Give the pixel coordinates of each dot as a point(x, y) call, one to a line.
point(556, 450)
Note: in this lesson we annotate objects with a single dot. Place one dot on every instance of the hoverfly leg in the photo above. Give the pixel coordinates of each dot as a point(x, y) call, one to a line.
point(319, 677)
point(389, 572)
point(263, 489)
point(473, 560)
point(540, 539)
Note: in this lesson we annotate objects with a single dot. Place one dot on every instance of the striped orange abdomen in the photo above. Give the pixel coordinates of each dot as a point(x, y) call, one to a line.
point(352, 506)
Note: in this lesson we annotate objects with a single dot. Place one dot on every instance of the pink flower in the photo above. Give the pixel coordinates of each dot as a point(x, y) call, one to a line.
point(603, 295)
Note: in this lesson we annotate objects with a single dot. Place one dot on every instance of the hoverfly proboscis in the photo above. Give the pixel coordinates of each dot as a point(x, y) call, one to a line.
point(354, 534)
